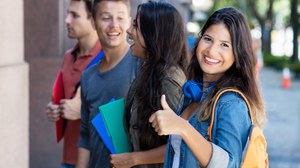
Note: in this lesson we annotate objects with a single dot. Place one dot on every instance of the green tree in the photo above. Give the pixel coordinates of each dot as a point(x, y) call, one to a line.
point(266, 22)
point(295, 25)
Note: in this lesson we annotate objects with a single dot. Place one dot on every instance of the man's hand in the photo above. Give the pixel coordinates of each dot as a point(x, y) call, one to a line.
point(52, 112)
point(70, 108)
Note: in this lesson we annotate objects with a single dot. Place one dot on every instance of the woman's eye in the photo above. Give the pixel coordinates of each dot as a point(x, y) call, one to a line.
point(207, 39)
point(224, 45)
point(134, 23)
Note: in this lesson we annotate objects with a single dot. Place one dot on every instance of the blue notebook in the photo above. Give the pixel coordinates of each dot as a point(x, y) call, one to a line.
point(100, 127)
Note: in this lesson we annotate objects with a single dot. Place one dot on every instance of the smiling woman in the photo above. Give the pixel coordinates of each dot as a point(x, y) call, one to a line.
point(157, 37)
point(215, 54)
point(222, 58)
point(138, 43)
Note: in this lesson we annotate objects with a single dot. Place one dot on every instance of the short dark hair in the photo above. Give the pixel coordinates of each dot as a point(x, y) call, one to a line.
point(96, 2)
point(88, 6)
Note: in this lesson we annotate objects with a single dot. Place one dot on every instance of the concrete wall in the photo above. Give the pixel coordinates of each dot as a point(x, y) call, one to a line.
point(14, 98)
point(42, 52)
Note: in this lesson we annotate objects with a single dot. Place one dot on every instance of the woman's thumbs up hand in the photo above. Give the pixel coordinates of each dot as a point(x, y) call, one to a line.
point(165, 121)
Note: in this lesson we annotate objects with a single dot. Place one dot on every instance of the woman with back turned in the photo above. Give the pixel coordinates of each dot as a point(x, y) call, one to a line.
point(158, 39)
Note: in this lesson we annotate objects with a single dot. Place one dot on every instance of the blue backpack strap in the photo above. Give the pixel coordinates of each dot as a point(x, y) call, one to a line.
point(96, 59)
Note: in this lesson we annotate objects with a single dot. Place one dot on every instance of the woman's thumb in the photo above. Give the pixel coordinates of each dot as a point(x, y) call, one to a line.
point(164, 103)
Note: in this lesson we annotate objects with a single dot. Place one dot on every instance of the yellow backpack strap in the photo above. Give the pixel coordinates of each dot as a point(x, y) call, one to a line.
point(218, 95)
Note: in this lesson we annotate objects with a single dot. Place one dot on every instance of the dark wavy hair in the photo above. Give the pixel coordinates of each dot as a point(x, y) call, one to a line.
point(241, 75)
point(162, 28)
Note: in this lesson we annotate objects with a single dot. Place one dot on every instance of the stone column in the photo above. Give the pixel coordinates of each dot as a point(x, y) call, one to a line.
point(14, 109)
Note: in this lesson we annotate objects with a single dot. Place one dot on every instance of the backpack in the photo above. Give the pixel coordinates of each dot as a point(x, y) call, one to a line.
point(255, 152)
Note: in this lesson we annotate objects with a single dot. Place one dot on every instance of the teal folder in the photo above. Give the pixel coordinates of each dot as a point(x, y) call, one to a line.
point(113, 114)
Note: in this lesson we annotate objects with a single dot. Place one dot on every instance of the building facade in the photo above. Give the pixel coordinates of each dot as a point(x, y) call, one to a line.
point(14, 91)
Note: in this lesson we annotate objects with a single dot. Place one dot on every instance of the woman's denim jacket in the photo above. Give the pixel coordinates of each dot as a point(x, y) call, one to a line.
point(229, 134)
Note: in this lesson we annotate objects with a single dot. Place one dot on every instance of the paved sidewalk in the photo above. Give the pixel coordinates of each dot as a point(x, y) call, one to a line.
point(283, 128)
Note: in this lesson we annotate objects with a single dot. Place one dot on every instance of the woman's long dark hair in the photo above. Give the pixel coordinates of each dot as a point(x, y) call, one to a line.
point(162, 28)
point(241, 74)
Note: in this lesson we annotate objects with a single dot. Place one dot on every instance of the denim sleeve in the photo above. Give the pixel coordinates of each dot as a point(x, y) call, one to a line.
point(84, 131)
point(230, 131)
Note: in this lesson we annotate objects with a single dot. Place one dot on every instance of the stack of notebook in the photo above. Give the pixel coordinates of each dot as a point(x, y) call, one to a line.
point(109, 124)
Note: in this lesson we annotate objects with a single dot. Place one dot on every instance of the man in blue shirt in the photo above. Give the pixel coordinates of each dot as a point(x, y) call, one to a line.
point(108, 79)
